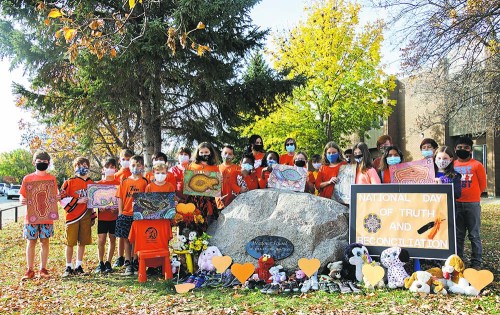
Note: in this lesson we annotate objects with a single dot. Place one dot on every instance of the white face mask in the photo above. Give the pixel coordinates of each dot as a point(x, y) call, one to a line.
point(317, 165)
point(160, 177)
point(442, 164)
point(109, 171)
point(125, 163)
point(183, 159)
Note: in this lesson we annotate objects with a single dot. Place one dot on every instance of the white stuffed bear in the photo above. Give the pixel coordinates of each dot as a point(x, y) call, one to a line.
point(180, 244)
point(205, 259)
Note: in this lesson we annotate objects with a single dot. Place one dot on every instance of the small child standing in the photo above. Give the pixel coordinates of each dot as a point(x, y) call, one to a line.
point(79, 219)
point(42, 230)
point(160, 175)
point(133, 184)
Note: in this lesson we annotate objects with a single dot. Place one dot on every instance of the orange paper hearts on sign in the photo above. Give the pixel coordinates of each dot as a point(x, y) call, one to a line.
point(309, 266)
point(221, 263)
point(242, 272)
point(373, 273)
point(185, 208)
point(184, 287)
point(478, 279)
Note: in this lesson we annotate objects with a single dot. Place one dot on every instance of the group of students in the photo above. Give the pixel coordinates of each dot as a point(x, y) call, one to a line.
point(453, 165)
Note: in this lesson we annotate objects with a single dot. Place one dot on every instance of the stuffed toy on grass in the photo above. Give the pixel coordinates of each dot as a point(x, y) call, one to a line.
point(421, 282)
point(205, 259)
point(278, 275)
point(355, 255)
point(372, 286)
point(394, 260)
point(453, 273)
point(175, 264)
point(335, 269)
point(262, 271)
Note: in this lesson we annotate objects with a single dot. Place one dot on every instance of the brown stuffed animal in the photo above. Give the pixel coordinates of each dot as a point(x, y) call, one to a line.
point(421, 281)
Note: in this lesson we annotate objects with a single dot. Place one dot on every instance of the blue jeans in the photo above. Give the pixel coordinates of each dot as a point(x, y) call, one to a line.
point(468, 219)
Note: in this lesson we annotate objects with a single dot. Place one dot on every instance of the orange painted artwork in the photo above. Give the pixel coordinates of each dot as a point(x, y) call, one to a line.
point(41, 201)
point(415, 172)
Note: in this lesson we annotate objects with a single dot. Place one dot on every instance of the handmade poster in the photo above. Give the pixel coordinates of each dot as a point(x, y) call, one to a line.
point(102, 196)
point(200, 183)
point(41, 201)
point(415, 172)
point(288, 177)
point(419, 218)
point(154, 206)
point(276, 246)
point(346, 178)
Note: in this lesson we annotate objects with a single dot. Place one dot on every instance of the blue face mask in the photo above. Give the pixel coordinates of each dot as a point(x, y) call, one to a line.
point(427, 153)
point(247, 167)
point(136, 170)
point(82, 171)
point(271, 162)
point(332, 158)
point(290, 148)
point(391, 160)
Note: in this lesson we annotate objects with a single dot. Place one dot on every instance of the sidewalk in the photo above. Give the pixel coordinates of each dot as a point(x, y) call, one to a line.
point(490, 201)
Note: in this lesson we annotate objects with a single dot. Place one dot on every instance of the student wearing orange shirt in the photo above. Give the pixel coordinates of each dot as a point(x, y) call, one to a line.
point(270, 159)
point(106, 220)
point(134, 184)
point(290, 147)
point(313, 173)
point(391, 156)
point(160, 157)
point(227, 168)
point(327, 174)
point(43, 230)
point(300, 162)
point(183, 156)
point(124, 171)
point(365, 172)
point(256, 147)
point(160, 184)
point(79, 219)
point(247, 178)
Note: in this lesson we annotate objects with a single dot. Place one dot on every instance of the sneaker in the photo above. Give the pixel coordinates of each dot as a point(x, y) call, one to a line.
point(333, 287)
point(100, 268)
point(306, 286)
point(135, 264)
point(107, 267)
point(119, 262)
point(354, 287)
point(30, 274)
point(129, 269)
point(67, 272)
point(78, 271)
point(274, 289)
point(43, 273)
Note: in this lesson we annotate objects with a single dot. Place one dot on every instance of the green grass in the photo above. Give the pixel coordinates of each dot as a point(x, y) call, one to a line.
point(115, 294)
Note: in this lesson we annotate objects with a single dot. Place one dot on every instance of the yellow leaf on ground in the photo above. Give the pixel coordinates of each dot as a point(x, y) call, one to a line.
point(55, 13)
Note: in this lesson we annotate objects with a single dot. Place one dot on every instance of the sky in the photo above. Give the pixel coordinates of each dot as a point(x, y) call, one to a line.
point(278, 15)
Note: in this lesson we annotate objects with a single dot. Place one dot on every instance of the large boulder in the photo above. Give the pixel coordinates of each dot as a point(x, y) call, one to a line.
point(317, 227)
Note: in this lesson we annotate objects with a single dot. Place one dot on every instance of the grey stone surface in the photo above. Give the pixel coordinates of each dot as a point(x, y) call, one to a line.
point(317, 227)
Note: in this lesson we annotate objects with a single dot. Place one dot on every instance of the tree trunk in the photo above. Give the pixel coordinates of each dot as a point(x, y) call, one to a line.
point(148, 132)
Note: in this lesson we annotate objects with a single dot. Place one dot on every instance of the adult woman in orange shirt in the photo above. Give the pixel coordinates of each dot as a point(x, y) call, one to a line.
point(290, 147)
point(327, 174)
point(256, 147)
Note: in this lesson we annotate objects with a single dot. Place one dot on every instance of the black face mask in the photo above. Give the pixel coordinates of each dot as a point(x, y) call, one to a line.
point(258, 147)
point(463, 154)
point(358, 156)
point(205, 157)
point(300, 163)
point(42, 166)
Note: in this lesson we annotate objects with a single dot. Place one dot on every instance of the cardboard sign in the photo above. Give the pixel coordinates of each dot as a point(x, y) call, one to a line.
point(288, 177)
point(154, 206)
point(276, 246)
point(41, 201)
point(102, 196)
point(415, 172)
point(199, 183)
point(419, 218)
point(345, 178)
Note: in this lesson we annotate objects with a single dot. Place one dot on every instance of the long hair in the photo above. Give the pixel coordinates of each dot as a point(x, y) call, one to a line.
point(268, 153)
point(334, 145)
point(449, 171)
point(213, 160)
point(366, 162)
point(383, 162)
point(251, 142)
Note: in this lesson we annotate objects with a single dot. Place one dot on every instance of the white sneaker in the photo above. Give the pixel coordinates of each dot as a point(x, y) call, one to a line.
point(314, 282)
point(306, 286)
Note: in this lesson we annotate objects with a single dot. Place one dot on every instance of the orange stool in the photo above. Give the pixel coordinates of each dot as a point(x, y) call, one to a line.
point(144, 255)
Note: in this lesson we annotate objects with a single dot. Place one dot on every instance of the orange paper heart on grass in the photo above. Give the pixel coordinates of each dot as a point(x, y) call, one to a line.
point(309, 266)
point(185, 208)
point(242, 272)
point(478, 279)
point(373, 273)
point(184, 287)
point(221, 263)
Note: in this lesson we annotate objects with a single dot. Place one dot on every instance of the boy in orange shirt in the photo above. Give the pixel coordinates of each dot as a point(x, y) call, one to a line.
point(79, 219)
point(229, 185)
point(160, 175)
point(133, 184)
point(42, 230)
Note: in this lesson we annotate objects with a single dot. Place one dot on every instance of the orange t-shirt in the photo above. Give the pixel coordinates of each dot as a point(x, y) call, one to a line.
point(386, 176)
point(33, 177)
point(368, 177)
point(229, 184)
point(107, 214)
point(473, 180)
point(125, 192)
point(154, 187)
point(123, 173)
point(258, 158)
point(71, 190)
point(150, 234)
point(286, 159)
point(325, 173)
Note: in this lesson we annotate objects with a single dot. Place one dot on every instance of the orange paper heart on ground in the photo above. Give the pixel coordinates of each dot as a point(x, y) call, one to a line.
point(242, 272)
point(373, 273)
point(478, 279)
point(221, 263)
point(185, 208)
point(184, 287)
point(309, 266)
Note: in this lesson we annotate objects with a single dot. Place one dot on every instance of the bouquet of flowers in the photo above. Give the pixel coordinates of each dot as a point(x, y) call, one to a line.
point(199, 243)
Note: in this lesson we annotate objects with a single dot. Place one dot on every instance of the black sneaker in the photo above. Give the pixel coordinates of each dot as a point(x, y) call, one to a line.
point(78, 271)
point(119, 262)
point(67, 272)
point(100, 268)
point(107, 267)
point(129, 269)
point(135, 264)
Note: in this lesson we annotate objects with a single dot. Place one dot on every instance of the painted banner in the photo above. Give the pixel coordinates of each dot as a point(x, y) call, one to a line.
point(288, 177)
point(102, 196)
point(415, 172)
point(41, 201)
point(154, 206)
point(419, 218)
point(345, 178)
point(200, 183)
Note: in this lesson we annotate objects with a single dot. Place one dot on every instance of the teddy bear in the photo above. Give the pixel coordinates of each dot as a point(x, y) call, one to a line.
point(278, 275)
point(262, 270)
point(205, 258)
point(175, 264)
point(180, 244)
point(394, 260)
point(453, 273)
point(421, 282)
point(355, 255)
point(335, 269)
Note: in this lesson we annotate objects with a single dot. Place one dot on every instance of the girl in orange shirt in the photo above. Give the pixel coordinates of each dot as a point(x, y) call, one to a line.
point(313, 173)
point(183, 156)
point(227, 169)
point(270, 159)
point(327, 174)
point(290, 147)
point(256, 147)
point(160, 184)
point(300, 160)
point(392, 155)
point(365, 173)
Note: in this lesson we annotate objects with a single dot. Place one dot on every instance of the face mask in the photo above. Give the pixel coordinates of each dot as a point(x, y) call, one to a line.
point(290, 148)
point(300, 163)
point(348, 160)
point(258, 147)
point(125, 163)
point(227, 157)
point(442, 164)
point(183, 159)
point(160, 177)
point(271, 162)
point(427, 153)
point(135, 170)
point(317, 165)
point(463, 154)
point(358, 158)
point(391, 160)
point(332, 158)
point(42, 166)
point(109, 171)
point(205, 157)
point(82, 171)
point(247, 167)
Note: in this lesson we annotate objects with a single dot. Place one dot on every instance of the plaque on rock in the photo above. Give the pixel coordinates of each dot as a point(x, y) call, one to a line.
point(276, 246)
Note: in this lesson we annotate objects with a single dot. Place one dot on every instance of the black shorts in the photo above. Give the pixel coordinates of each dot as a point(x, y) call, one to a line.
point(104, 227)
point(123, 225)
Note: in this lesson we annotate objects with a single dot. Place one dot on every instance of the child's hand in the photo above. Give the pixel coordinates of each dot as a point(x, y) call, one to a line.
point(438, 181)
point(83, 200)
point(23, 200)
point(333, 180)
